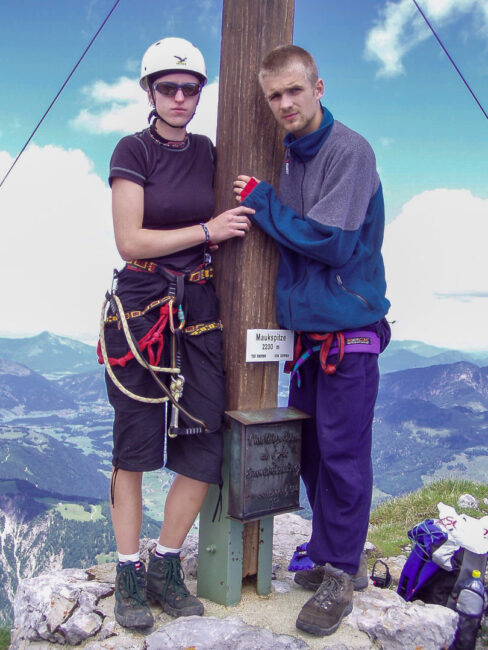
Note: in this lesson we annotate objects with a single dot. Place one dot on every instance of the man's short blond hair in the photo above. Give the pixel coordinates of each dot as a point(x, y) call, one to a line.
point(286, 56)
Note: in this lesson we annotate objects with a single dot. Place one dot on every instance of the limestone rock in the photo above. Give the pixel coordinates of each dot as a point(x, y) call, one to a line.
point(58, 607)
point(81, 626)
point(343, 646)
point(395, 566)
point(146, 546)
point(211, 633)
point(467, 501)
point(60, 610)
point(369, 547)
point(109, 629)
point(189, 553)
point(102, 572)
point(289, 531)
point(280, 586)
point(395, 624)
point(116, 643)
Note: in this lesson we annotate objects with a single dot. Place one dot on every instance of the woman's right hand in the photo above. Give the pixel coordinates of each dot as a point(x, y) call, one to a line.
point(228, 224)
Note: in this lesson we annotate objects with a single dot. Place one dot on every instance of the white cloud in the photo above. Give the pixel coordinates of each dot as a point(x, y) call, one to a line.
point(122, 107)
point(437, 269)
point(205, 120)
point(58, 251)
point(400, 28)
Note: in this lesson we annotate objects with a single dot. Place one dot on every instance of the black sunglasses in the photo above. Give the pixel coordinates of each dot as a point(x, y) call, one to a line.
point(169, 88)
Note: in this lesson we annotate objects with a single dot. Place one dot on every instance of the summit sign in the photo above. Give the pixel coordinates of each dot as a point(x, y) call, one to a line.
point(269, 345)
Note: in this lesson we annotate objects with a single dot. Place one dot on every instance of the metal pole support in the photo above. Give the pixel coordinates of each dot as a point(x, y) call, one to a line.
point(260, 479)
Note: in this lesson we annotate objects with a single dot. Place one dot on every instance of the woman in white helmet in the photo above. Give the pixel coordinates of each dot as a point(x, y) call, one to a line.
point(162, 201)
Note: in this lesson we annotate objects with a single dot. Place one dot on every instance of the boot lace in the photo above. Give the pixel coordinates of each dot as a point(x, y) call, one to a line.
point(329, 591)
point(174, 578)
point(130, 583)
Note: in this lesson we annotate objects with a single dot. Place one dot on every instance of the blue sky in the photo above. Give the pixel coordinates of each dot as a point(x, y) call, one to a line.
point(385, 77)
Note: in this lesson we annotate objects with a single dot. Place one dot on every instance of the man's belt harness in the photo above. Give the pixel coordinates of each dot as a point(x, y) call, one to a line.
point(168, 306)
point(331, 343)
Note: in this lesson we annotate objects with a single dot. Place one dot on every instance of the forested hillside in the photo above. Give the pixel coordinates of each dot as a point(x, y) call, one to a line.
point(41, 530)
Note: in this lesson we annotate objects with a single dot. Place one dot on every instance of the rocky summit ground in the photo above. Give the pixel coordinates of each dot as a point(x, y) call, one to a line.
point(75, 607)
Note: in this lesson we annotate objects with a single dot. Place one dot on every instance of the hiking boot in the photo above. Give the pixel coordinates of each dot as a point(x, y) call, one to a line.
point(360, 579)
point(131, 606)
point(323, 613)
point(165, 586)
point(311, 579)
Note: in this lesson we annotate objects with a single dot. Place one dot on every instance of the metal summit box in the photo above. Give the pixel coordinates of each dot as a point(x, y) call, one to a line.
point(264, 476)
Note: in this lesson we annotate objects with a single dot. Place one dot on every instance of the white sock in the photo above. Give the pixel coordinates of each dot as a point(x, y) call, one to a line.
point(133, 557)
point(161, 550)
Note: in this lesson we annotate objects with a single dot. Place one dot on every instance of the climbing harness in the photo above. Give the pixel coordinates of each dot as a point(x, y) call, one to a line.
point(331, 343)
point(152, 342)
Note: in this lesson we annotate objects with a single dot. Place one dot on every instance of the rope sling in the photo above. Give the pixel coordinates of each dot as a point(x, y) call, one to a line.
point(169, 305)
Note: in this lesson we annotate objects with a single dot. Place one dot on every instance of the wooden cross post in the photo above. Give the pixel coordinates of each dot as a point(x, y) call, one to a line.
point(248, 142)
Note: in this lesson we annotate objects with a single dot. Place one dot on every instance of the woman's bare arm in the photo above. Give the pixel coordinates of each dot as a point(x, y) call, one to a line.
point(135, 242)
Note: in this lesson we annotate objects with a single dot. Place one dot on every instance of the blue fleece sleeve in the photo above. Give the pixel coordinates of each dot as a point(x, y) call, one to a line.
point(330, 231)
point(329, 245)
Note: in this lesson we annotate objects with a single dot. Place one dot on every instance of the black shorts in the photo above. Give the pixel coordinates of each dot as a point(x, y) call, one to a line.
point(139, 428)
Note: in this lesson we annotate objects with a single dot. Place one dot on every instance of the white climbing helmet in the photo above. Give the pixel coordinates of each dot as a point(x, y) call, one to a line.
point(172, 55)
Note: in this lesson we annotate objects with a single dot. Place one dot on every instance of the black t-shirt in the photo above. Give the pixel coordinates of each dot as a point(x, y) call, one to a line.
point(177, 182)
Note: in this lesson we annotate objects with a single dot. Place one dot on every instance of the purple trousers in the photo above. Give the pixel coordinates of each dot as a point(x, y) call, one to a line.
point(336, 452)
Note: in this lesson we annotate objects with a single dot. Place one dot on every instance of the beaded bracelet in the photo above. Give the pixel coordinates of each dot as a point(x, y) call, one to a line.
point(207, 234)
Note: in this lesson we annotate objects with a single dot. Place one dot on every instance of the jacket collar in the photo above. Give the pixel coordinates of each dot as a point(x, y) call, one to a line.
point(306, 147)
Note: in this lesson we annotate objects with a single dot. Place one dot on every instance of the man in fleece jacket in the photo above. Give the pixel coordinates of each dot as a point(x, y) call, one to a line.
point(328, 222)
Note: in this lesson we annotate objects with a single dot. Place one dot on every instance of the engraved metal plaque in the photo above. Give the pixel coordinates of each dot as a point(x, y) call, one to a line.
point(264, 462)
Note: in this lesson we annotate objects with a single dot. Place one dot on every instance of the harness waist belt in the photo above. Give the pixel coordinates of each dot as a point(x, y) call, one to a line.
point(332, 343)
point(359, 341)
point(200, 274)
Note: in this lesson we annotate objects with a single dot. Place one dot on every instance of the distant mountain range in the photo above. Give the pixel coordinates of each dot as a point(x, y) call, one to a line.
point(402, 355)
point(430, 423)
point(455, 384)
point(86, 386)
point(23, 390)
point(48, 353)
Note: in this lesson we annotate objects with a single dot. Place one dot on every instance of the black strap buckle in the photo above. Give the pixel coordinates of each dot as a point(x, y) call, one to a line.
point(382, 579)
point(185, 431)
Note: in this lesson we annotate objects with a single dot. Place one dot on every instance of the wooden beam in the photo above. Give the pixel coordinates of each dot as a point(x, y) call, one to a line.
point(248, 141)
